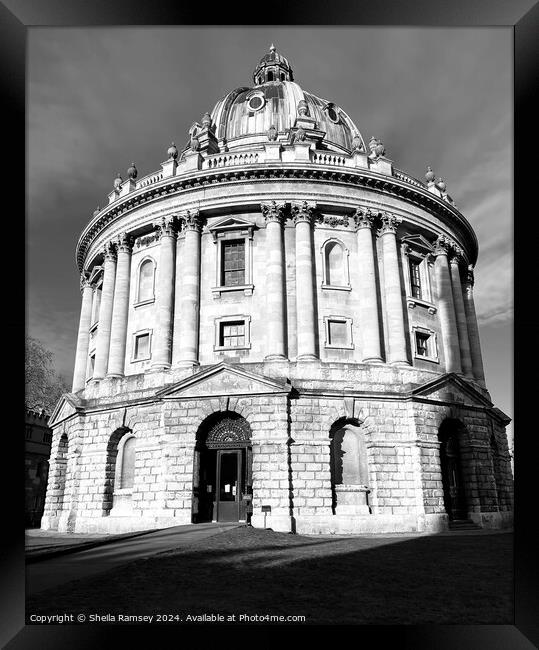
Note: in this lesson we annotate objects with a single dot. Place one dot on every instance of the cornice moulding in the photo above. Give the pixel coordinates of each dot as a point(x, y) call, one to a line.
point(291, 172)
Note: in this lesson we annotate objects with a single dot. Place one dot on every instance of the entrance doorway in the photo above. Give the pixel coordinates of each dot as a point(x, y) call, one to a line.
point(222, 483)
point(450, 461)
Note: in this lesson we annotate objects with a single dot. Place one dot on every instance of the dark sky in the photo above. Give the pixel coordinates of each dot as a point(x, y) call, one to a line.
point(100, 98)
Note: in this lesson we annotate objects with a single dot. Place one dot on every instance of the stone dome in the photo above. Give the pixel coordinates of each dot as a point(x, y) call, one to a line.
point(244, 115)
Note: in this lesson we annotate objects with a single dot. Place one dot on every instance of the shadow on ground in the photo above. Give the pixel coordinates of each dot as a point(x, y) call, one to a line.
point(361, 580)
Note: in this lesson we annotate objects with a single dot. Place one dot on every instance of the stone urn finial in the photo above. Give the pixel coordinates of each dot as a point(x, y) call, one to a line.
point(96, 211)
point(429, 175)
point(117, 181)
point(272, 133)
point(132, 172)
point(357, 144)
point(303, 108)
point(441, 184)
point(376, 147)
point(206, 120)
point(172, 151)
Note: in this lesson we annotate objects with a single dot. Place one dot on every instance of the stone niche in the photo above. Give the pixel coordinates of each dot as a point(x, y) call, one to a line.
point(349, 471)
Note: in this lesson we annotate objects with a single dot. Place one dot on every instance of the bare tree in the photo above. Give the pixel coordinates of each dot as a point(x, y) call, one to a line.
point(43, 385)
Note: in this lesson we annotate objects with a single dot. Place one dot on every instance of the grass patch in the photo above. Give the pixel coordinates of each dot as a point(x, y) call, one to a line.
point(460, 579)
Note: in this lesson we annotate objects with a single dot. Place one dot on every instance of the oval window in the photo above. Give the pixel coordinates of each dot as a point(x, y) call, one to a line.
point(256, 102)
point(332, 114)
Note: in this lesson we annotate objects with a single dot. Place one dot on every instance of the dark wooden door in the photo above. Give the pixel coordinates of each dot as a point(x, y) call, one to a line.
point(229, 484)
point(454, 498)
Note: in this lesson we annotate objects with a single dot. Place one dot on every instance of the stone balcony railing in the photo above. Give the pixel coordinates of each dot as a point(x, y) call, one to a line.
point(272, 153)
point(269, 156)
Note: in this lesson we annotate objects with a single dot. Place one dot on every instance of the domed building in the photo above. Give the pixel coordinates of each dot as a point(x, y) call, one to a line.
point(278, 327)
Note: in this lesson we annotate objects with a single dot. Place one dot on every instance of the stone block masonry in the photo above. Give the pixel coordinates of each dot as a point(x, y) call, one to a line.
point(292, 454)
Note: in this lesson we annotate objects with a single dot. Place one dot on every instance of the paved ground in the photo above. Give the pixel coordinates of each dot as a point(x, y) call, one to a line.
point(57, 570)
point(36, 538)
point(417, 579)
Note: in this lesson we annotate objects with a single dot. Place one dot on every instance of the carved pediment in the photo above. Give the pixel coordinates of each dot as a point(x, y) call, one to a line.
point(418, 243)
point(223, 379)
point(68, 405)
point(452, 388)
point(228, 224)
point(96, 276)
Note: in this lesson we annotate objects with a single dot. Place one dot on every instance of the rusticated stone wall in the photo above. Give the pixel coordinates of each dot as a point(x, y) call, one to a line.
point(291, 461)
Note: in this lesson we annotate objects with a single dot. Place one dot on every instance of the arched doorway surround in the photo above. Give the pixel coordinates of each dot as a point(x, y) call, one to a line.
point(222, 472)
point(349, 469)
point(450, 436)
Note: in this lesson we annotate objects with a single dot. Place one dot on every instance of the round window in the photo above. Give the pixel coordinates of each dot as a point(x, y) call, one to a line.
point(256, 102)
point(332, 114)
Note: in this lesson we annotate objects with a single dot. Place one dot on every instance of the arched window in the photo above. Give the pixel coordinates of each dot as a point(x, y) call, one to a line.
point(335, 265)
point(146, 281)
point(127, 469)
point(57, 482)
point(270, 76)
point(450, 433)
point(349, 470)
point(120, 474)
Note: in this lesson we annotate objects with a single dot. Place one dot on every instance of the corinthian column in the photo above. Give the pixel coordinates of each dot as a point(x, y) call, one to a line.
point(369, 323)
point(120, 308)
point(275, 304)
point(83, 339)
point(303, 219)
point(189, 301)
point(462, 327)
point(473, 330)
point(396, 353)
point(446, 306)
point(162, 355)
point(105, 313)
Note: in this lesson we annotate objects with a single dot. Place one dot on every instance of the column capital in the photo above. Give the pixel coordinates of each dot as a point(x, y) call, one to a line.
point(166, 227)
point(84, 282)
point(191, 220)
point(273, 211)
point(457, 254)
point(364, 218)
point(124, 243)
point(442, 245)
point(109, 251)
point(390, 223)
point(303, 212)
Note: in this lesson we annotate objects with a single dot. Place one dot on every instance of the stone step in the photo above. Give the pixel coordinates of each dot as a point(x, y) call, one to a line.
point(463, 524)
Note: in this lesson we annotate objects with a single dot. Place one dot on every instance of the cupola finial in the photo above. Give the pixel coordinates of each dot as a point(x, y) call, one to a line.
point(272, 48)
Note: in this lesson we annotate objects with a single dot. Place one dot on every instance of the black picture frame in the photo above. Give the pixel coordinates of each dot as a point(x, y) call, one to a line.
point(16, 17)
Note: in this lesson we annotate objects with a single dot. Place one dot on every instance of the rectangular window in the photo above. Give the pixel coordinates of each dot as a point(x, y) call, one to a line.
point(415, 277)
point(47, 437)
point(95, 306)
point(28, 433)
point(422, 344)
point(233, 263)
point(338, 333)
point(142, 346)
point(92, 364)
point(232, 334)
